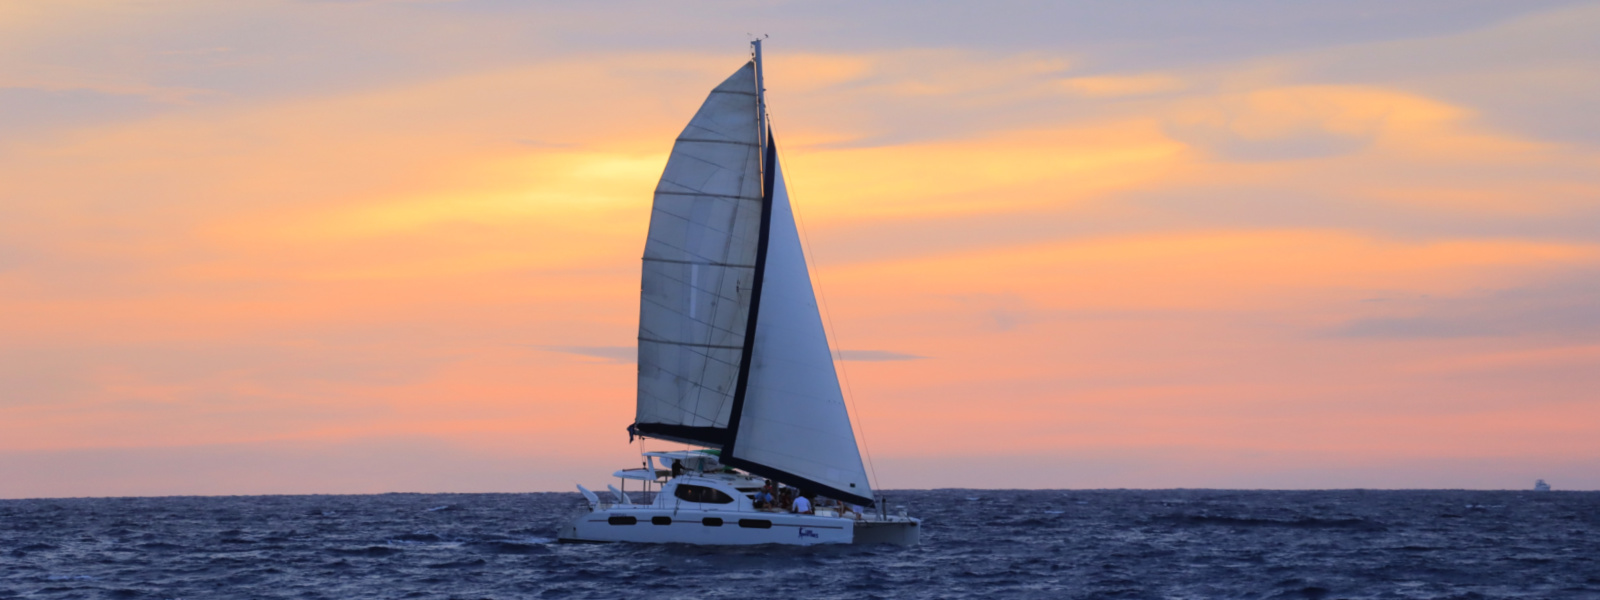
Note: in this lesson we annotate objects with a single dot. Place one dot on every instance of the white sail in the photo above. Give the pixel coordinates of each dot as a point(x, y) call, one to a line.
point(699, 263)
point(793, 419)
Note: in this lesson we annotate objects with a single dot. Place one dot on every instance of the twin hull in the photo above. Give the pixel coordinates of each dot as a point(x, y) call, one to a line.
point(732, 528)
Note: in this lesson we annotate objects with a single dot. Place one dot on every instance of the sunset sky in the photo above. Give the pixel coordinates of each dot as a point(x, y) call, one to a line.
point(265, 247)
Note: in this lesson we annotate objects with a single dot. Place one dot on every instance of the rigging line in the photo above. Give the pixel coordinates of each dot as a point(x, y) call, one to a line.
point(822, 298)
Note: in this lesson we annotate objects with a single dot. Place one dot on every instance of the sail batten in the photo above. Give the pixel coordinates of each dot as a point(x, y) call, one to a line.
point(693, 193)
point(710, 141)
point(705, 263)
point(690, 344)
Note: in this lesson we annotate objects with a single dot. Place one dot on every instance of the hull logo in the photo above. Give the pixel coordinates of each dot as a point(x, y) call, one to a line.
point(805, 533)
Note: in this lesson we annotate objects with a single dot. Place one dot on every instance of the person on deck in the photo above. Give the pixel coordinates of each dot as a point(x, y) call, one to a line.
point(802, 504)
point(677, 468)
point(764, 498)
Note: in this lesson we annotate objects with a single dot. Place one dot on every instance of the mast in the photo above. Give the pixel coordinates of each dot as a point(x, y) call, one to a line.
point(766, 161)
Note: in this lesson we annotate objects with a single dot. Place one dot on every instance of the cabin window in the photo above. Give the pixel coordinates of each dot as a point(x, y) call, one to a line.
point(711, 521)
point(661, 520)
point(701, 494)
point(755, 523)
point(622, 520)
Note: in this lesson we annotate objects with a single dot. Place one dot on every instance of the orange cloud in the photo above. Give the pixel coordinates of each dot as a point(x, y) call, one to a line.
point(1005, 173)
point(1118, 86)
point(387, 262)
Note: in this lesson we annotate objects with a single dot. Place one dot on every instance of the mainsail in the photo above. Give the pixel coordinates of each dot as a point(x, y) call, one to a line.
point(732, 352)
point(699, 267)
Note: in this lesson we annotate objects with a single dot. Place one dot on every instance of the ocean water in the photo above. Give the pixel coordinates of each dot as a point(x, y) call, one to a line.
point(976, 543)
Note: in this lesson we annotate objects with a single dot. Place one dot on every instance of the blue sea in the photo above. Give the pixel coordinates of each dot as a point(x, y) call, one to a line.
point(976, 544)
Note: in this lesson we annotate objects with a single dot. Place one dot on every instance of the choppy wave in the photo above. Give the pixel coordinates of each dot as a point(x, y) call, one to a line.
point(977, 543)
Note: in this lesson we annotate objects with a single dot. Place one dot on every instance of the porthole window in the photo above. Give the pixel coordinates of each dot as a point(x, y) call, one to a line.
point(661, 520)
point(622, 520)
point(755, 523)
point(711, 522)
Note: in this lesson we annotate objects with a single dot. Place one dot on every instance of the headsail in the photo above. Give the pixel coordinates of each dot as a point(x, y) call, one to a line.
point(792, 424)
point(732, 352)
point(699, 261)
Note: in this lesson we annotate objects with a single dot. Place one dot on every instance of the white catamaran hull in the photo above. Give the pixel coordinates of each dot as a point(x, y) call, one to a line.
point(725, 515)
point(733, 528)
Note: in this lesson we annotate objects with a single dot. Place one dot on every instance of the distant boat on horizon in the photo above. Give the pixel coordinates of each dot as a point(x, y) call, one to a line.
point(1541, 486)
point(733, 358)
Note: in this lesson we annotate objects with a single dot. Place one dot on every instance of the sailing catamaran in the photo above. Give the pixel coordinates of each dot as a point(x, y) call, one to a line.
point(733, 358)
